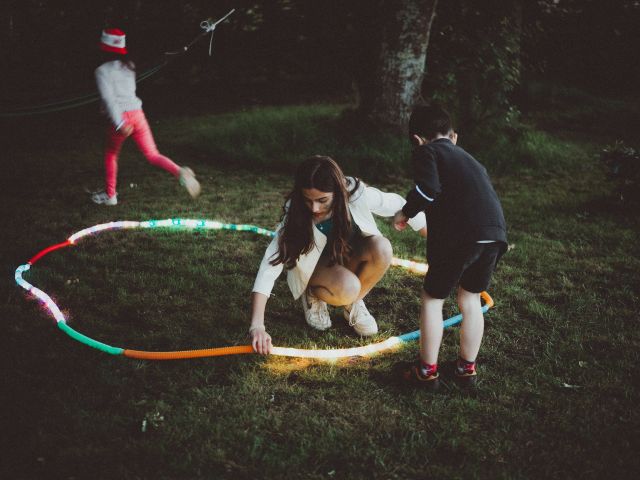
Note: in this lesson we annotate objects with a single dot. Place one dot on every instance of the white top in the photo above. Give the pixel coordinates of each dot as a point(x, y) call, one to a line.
point(117, 87)
point(365, 201)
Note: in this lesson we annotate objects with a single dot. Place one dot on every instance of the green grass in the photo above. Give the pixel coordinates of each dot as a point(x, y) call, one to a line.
point(278, 137)
point(559, 385)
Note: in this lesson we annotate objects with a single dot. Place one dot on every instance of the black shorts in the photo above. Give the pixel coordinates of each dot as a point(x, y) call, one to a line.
point(471, 268)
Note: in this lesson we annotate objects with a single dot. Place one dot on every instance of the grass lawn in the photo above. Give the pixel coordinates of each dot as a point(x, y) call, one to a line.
point(559, 379)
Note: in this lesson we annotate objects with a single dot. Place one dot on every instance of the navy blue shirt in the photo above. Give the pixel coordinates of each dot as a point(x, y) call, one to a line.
point(455, 192)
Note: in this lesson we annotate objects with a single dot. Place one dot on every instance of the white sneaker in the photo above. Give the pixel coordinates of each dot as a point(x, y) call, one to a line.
point(360, 319)
point(101, 198)
point(315, 312)
point(188, 180)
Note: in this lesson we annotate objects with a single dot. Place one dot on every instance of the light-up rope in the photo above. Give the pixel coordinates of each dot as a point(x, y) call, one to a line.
point(181, 223)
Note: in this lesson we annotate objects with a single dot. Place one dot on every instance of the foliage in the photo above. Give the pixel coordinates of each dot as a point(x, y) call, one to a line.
point(294, 50)
point(623, 163)
point(583, 43)
point(473, 62)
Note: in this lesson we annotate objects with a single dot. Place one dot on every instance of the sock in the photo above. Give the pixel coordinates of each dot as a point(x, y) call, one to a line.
point(465, 367)
point(426, 369)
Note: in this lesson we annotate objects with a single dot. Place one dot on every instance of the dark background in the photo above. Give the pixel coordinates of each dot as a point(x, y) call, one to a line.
point(484, 57)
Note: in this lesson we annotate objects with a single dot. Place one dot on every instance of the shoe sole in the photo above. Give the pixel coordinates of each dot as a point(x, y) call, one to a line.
point(466, 381)
point(322, 329)
point(108, 203)
point(366, 334)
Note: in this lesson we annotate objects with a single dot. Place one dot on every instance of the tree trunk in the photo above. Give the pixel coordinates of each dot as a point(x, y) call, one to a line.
point(394, 88)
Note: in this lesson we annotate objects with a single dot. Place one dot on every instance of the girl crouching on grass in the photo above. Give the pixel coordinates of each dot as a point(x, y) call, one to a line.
point(333, 251)
point(116, 80)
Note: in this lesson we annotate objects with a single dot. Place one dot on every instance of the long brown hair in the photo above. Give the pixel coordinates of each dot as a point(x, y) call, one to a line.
point(296, 236)
point(124, 59)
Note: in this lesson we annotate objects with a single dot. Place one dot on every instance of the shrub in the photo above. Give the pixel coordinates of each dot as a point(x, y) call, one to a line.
point(624, 168)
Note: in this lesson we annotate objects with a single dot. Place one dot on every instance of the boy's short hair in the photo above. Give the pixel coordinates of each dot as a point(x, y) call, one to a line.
point(428, 121)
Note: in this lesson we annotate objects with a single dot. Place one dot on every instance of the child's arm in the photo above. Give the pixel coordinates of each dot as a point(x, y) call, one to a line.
point(427, 180)
point(267, 273)
point(386, 204)
point(400, 222)
point(265, 279)
point(260, 339)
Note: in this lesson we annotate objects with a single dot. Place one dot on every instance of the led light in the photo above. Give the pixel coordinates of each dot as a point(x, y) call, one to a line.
point(50, 304)
point(330, 354)
point(102, 227)
point(18, 276)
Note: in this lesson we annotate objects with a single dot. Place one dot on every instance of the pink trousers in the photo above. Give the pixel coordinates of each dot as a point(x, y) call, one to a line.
point(143, 138)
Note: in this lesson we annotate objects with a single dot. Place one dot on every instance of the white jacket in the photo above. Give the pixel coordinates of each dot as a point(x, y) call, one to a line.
point(365, 201)
point(117, 87)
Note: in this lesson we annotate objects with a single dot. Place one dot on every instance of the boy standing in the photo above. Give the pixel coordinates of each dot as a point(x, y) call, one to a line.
point(466, 238)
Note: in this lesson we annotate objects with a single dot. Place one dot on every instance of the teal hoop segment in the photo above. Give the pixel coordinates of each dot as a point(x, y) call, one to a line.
point(103, 347)
point(450, 322)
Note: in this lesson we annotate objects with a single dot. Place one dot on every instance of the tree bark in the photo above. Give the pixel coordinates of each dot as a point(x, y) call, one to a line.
point(394, 88)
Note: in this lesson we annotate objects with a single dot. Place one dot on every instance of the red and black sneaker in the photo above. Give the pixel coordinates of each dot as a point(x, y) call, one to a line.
point(465, 373)
point(411, 373)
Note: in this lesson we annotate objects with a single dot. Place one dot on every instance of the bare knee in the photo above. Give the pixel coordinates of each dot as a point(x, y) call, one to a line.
point(431, 302)
point(467, 301)
point(346, 289)
point(343, 288)
point(380, 249)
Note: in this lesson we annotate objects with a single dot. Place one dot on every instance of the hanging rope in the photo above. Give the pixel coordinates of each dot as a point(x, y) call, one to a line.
point(60, 105)
point(70, 103)
point(208, 26)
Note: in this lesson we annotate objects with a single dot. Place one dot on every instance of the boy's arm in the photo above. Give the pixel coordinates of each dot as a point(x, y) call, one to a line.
point(386, 204)
point(427, 179)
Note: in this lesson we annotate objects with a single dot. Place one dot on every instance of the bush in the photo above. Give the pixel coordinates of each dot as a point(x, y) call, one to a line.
point(624, 168)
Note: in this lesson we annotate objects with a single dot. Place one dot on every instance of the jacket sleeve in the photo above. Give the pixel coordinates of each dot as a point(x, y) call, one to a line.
point(108, 97)
point(386, 204)
point(427, 180)
point(267, 273)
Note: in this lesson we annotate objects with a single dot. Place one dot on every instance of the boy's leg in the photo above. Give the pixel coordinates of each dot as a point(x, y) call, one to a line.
point(475, 279)
point(431, 328)
point(424, 372)
point(472, 328)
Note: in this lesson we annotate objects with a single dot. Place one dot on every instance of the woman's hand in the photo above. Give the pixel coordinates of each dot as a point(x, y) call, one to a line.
point(260, 340)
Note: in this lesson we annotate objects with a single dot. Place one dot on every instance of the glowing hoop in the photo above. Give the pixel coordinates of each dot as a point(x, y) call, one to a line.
point(180, 223)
